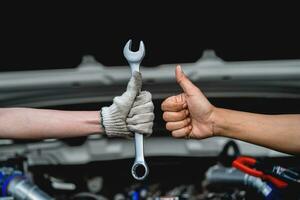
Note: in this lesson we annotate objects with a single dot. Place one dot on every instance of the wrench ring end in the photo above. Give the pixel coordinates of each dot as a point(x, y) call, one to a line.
point(135, 170)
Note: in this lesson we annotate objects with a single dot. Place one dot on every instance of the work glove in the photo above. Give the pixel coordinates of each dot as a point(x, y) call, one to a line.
point(141, 116)
point(130, 112)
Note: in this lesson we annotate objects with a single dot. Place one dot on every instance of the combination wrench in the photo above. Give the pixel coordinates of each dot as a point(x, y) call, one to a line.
point(139, 169)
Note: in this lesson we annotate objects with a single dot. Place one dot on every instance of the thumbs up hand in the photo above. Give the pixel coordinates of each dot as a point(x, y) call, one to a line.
point(188, 114)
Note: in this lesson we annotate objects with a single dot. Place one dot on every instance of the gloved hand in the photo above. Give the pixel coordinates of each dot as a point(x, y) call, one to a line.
point(141, 116)
point(130, 111)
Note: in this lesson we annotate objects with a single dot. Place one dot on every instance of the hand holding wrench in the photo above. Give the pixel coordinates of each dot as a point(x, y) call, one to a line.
point(139, 169)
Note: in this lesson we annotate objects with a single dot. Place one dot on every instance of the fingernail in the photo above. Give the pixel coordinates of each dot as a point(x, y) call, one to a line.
point(184, 105)
point(179, 67)
point(190, 127)
point(189, 120)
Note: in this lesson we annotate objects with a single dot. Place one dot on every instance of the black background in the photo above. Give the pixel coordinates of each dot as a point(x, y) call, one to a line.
point(45, 36)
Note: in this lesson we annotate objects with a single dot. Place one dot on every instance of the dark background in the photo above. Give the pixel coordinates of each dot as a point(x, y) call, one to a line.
point(46, 36)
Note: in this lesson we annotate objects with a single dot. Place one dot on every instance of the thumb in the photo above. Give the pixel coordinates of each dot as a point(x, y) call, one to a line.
point(135, 83)
point(187, 86)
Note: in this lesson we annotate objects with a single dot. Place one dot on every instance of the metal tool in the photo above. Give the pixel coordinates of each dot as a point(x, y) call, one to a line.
point(139, 169)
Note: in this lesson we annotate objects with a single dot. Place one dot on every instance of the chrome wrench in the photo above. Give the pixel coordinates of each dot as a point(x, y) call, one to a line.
point(139, 169)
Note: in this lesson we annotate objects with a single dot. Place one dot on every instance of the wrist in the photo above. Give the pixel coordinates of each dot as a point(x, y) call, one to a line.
point(217, 121)
point(113, 123)
point(93, 121)
point(87, 122)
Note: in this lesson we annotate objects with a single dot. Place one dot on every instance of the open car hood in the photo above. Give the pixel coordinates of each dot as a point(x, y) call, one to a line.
point(93, 82)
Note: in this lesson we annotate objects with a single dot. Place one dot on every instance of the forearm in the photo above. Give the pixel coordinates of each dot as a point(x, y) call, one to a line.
point(26, 123)
point(279, 132)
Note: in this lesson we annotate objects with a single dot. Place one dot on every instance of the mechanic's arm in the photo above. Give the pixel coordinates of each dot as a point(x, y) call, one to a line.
point(191, 115)
point(130, 112)
point(278, 132)
point(28, 123)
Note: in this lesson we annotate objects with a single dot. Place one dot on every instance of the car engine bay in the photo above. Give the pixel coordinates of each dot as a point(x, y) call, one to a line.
point(196, 178)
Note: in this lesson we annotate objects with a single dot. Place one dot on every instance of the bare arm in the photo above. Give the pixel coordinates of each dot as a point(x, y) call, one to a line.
point(27, 123)
point(279, 132)
point(130, 112)
point(191, 115)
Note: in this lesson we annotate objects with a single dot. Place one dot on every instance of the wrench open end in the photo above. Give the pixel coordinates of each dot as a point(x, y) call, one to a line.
point(134, 56)
point(140, 171)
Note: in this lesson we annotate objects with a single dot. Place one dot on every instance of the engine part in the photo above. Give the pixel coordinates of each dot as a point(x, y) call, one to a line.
point(167, 198)
point(223, 175)
point(289, 175)
point(139, 169)
point(15, 184)
point(286, 174)
point(95, 184)
point(229, 152)
point(87, 195)
point(232, 177)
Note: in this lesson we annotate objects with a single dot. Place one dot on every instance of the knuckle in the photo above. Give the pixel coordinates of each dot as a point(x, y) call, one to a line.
point(186, 122)
point(131, 127)
point(165, 116)
point(179, 107)
point(148, 132)
point(152, 116)
point(168, 126)
point(142, 93)
point(174, 134)
point(186, 130)
point(182, 114)
point(151, 126)
point(128, 120)
point(151, 106)
point(148, 95)
point(162, 106)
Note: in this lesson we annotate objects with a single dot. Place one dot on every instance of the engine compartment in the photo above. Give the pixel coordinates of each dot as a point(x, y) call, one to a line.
point(169, 178)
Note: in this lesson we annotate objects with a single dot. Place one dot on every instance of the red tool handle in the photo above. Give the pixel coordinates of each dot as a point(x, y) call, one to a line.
point(245, 163)
point(242, 163)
